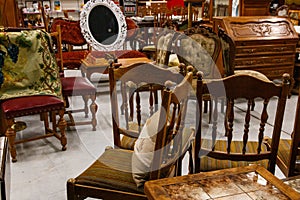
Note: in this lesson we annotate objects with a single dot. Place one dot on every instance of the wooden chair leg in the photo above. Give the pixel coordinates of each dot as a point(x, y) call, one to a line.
point(62, 124)
point(94, 108)
point(11, 136)
point(86, 110)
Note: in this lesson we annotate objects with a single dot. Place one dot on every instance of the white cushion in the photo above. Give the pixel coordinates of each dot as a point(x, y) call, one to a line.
point(143, 150)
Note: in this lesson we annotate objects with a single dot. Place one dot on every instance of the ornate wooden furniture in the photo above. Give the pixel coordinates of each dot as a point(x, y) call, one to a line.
point(265, 44)
point(213, 150)
point(120, 173)
point(252, 182)
point(30, 85)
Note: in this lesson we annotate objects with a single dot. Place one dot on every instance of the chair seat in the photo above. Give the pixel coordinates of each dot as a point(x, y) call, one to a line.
point(21, 106)
point(110, 173)
point(210, 164)
point(77, 86)
point(284, 151)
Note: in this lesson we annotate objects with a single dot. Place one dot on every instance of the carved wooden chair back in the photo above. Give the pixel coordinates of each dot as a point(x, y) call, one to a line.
point(121, 174)
point(228, 52)
point(135, 111)
point(213, 149)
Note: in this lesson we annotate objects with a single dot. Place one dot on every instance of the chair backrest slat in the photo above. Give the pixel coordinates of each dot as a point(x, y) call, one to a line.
point(242, 88)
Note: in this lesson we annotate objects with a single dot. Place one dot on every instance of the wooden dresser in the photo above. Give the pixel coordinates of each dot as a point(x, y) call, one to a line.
point(266, 43)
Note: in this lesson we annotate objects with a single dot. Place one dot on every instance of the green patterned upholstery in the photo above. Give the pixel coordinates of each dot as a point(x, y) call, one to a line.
point(210, 164)
point(111, 173)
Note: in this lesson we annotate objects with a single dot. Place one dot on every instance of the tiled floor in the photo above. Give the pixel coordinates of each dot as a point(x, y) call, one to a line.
point(43, 169)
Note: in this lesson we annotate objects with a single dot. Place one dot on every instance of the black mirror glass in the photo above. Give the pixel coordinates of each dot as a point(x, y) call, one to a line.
point(103, 25)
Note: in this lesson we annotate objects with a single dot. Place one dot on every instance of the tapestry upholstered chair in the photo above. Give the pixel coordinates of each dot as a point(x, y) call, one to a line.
point(244, 144)
point(200, 47)
point(75, 86)
point(30, 85)
point(120, 173)
point(288, 150)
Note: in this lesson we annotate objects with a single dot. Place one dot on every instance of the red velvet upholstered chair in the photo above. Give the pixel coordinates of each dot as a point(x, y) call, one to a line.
point(72, 37)
point(31, 86)
point(75, 86)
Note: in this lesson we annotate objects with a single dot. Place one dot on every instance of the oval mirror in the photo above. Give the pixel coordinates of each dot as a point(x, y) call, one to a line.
point(103, 25)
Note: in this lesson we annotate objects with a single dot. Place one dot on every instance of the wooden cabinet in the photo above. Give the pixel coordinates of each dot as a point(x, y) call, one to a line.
point(266, 44)
point(254, 7)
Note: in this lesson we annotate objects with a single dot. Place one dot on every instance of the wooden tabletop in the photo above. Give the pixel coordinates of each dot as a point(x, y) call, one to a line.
point(247, 183)
point(128, 61)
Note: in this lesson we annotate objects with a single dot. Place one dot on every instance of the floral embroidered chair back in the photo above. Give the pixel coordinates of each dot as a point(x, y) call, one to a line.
point(27, 65)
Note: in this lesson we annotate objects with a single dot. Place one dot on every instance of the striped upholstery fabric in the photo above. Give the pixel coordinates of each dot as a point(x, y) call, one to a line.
point(128, 142)
point(209, 164)
point(283, 149)
point(111, 173)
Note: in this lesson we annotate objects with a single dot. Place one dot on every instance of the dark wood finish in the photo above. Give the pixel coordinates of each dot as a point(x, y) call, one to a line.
point(242, 86)
point(265, 44)
point(254, 7)
point(232, 182)
point(9, 13)
point(291, 167)
point(173, 102)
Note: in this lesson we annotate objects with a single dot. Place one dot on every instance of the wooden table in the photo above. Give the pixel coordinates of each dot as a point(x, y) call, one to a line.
point(247, 183)
point(293, 182)
point(87, 68)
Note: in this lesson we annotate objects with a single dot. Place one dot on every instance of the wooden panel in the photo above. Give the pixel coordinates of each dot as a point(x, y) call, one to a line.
point(254, 7)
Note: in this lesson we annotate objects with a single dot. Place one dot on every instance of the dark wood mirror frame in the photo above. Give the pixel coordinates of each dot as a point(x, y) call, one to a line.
point(103, 25)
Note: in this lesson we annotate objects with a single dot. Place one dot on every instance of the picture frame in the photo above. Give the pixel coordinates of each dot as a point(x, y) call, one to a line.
point(57, 5)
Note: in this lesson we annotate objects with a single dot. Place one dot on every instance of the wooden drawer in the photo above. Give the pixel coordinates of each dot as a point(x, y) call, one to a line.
point(265, 50)
point(264, 61)
point(273, 73)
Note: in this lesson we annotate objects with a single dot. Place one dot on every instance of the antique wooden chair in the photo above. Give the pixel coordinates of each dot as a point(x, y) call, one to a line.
point(146, 101)
point(200, 47)
point(213, 150)
point(163, 49)
point(75, 86)
point(75, 46)
point(288, 149)
point(120, 173)
point(31, 87)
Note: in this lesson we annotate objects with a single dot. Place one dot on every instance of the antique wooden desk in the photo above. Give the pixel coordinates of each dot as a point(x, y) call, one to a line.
point(266, 44)
point(247, 183)
point(87, 68)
